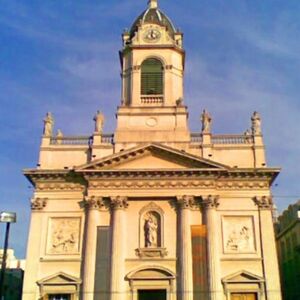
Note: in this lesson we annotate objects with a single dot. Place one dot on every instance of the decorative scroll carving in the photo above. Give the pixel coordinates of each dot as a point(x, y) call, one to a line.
point(150, 184)
point(238, 234)
point(210, 202)
point(186, 202)
point(179, 184)
point(264, 202)
point(119, 202)
point(151, 252)
point(59, 186)
point(94, 202)
point(64, 236)
point(38, 203)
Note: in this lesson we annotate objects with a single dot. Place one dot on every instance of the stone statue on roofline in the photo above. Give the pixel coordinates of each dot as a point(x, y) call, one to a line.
point(256, 123)
point(206, 122)
point(99, 122)
point(59, 136)
point(48, 124)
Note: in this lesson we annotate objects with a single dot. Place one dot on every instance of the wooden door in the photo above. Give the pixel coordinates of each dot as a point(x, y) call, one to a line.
point(243, 296)
point(152, 294)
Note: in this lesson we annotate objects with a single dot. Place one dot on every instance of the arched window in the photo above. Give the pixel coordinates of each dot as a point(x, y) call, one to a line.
point(152, 77)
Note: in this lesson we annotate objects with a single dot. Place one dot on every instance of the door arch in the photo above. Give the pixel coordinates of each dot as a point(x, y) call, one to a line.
point(152, 278)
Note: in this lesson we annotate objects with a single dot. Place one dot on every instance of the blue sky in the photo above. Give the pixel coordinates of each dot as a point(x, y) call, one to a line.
point(62, 56)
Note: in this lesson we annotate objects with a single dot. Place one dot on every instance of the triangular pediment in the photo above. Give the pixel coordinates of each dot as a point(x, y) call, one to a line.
point(242, 276)
point(59, 278)
point(151, 157)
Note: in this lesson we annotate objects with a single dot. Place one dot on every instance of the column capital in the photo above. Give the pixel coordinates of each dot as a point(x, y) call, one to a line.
point(38, 203)
point(263, 202)
point(118, 202)
point(94, 203)
point(186, 202)
point(210, 201)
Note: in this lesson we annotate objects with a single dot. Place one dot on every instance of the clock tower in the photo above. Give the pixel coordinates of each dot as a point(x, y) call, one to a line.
point(152, 62)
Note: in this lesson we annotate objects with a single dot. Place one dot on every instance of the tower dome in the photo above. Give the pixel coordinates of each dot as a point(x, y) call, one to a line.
point(153, 15)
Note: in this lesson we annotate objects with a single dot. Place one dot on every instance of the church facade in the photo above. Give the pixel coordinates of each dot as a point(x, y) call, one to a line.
point(152, 211)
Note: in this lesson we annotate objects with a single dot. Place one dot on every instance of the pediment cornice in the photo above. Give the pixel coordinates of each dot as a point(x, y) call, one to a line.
point(181, 158)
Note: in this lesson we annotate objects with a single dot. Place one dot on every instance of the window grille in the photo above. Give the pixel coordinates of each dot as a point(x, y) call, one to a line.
point(152, 77)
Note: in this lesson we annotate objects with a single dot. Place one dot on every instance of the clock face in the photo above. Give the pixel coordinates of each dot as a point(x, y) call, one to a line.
point(152, 35)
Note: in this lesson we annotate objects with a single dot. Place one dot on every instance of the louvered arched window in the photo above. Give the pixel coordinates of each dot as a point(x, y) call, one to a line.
point(152, 73)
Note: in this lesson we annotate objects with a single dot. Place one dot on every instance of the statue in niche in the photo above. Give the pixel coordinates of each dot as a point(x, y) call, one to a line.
point(99, 122)
point(48, 124)
point(206, 122)
point(151, 230)
point(256, 123)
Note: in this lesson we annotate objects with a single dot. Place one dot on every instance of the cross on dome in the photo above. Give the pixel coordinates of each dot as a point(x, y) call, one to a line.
point(152, 3)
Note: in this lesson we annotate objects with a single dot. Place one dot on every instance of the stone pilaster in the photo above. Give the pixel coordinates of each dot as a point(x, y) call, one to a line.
point(185, 203)
point(210, 204)
point(118, 242)
point(93, 205)
point(268, 247)
point(30, 288)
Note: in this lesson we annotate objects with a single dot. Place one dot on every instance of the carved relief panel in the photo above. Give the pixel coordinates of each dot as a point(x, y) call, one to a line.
point(238, 234)
point(63, 235)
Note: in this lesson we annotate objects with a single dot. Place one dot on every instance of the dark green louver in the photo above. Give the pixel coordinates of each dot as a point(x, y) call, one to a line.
point(152, 77)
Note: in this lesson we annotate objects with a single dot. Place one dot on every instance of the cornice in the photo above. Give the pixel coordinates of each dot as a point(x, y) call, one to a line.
point(219, 179)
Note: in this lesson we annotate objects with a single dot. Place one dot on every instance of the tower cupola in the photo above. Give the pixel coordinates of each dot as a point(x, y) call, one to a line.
point(152, 62)
point(153, 15)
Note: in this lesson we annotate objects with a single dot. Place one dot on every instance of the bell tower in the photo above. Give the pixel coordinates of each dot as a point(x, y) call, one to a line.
point(152, 62)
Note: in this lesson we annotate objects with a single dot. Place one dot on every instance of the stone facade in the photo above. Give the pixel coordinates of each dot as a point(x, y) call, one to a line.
point(288, 244)
point(152, 209)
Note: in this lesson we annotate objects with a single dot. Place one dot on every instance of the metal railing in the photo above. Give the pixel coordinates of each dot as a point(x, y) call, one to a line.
point(72, 140)
point(107, 138)
point(224, 139)
point(196, 138)
point(232, 139)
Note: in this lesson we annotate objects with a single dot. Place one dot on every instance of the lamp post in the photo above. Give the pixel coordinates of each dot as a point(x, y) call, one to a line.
point(5, 217)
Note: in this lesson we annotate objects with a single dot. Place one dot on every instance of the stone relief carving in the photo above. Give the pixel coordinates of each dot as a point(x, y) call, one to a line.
point(64, 236)
point(59, 186)
point(38, 203)
point(150, 184)
point(238, 234)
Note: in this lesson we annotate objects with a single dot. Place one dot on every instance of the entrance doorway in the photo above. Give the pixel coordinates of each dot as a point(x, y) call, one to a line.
point(152, 295)
point(243, 296)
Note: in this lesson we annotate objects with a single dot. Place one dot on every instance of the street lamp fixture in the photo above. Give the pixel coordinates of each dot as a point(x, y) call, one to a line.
point(5, 217)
